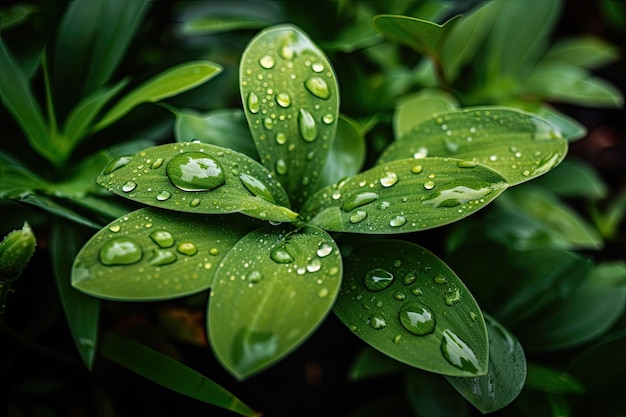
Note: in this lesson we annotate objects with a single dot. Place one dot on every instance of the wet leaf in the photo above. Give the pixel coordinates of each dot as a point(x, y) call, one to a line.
point(271, 291)
point(415, 108)
point(152, 254)
point(517, 144)
point(198, 178)
point(506, 375)
point(404, 301)
point(404, 196)
point(291, 99)
point(347, 154)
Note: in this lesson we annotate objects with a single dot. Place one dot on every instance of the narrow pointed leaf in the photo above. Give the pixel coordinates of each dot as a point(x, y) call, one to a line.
point(169, 83)
point(405, 196)
point(198, 178)
point(505, 378)
point(404, 301)
point(291, 99)
point(517, 144)
point(168, 372)
point(271, 291)
point(152, 254)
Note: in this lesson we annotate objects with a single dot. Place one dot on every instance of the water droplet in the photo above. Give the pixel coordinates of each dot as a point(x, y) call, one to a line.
point(417, 169)
point(421, 153)
point(467, 164)
point(281, 167)
point(253, 103)
point(417, 318)
point(389, 179)
point(417, 291)
point(214, 251)
point(195, 202)
point(429, 185)
point(267, 62)
point(324, 250)
point(187, 248)
point(400, 296)
point(129, 186)
point(283, 100)
point(318, 87)
point(328, 118)
point(157, 163)
point(286, 50)
point(268, 123)
point(377, 322)
point(358, 216)
point(409, 278)
point(440, 279)
point(254, 277)
point(281, 138)
point(281, 256)
point(458, 353)
point(163, 195)
point(317, 67)
point(163, 238)
point(452, 296)
point(120, 251)
point(162, 257)
point(117, 163)
point(455, 196)
point(358, 200)
point(256, 187)
point(195, 171)
point(306, 123)
point(397, 221)
point(377, 279)
point(314, 265)
point(115, 228)
point(323, 292)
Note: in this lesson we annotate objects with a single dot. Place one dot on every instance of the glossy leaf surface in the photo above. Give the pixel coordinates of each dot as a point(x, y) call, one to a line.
point(506, 376)
point(152, 254)
point(415, 108)
point(405, 302)
point(271, 291)
point(198, 178)
point(519, 145)
point(291, 99)
point(404, 196)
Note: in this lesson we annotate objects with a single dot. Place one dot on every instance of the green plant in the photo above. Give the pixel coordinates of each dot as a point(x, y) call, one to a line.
point(290, 210)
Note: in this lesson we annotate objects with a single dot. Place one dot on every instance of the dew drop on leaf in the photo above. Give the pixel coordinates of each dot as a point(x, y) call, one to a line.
point(256, 187)
point(120, 251)
point(129, 186)
point(162, 257)
point(324, 250)
point(253, 103)
point(267, 62)
point(397, 221)
point(157, 163)
point(281, 256)
point(187, 248)
point(377, 322)
point(283, 100)
point(377, 279)
point(164, 195)
point(429, 185)
point(195, 171)
point(458, 353)
point(117, 163)
point(163, 238)
point(389, 179)
point(254, 277)
point(318, 87)
point(281, 167)
point(358, 216)
point(307, 126)
point(417, 318)
point(358, 200)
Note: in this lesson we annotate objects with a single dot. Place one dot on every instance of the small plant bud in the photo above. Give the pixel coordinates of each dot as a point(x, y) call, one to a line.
point(16, 249)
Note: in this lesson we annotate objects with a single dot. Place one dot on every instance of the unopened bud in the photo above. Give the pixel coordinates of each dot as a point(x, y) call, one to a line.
point(16, 249)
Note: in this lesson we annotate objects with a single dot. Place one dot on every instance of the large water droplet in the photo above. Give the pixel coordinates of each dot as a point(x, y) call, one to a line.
point(458, 353)
point(389, 179)
point(163, 195)
point(324, 250)
point(267, 62)
point(256, 187)
point(281, 256)
point(283, 100)
point(358, 216)
point(120, 251)
point(358, 200)
point(307, 125)
point(187, 248)
point(417, 318)
point(455, 196)
point(129, 186)
point(163, 238)
point(254, 277)
point(253, 103)
point(318, 87)
point(328, 118)
point(377, 279)
point(162, 257)
point(429, 185)
point(397, 221)
point(117, 163)
point(281, 167)
point(377, 322)
point(157, 163)
point(281, 138)
point(195, 171)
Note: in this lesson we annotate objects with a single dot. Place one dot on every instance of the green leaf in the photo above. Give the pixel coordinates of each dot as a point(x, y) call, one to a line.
point(347, 155)
point(430, 395)
point(547, 379)
point(575, 178)
point(609, 219)
point(16, 14)
point(405, 302)
point(58, 207)
point(19, 100)
point(209, 25)
point(169, 83)
point(586, 51)
point(169, 373)
point(198, 178)
point(415, 108)
point(569, 128)
point(223, 127)
point(519, 145)
point(422, 35)
point(371, 363)
point(81, 311)
point(404, 196)
point(271, 291)
point(291, 99)
point(505, 378)
point(152, 254)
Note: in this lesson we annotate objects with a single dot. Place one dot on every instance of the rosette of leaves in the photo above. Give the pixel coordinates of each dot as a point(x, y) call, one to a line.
point(260, 233)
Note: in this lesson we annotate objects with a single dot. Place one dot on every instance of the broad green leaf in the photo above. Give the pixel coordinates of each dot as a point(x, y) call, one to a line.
point(198, 178)
point(506, 376)
point(208, 25)
point(585, 51)
point(347, 155)
point(404, 196)
point(169, 83)
point(371, 363)
point(404, 301)
point(271, 291)
point(572, 84)
point(19, 100)
point(424, 36)
point(597, 304)
point(291, 99)
point(81, 311)
point(547, 379)
point(170, 373)
point(223, 127)
point(575, 178)
point(517, 144)
point(413, 109)
point(152, 254)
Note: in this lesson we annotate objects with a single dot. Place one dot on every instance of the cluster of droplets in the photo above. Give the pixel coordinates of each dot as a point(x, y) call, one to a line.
point(414, 315)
